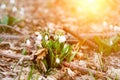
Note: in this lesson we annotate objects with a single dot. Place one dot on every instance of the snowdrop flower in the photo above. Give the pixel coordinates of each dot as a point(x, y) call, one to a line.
point(39, 37)
point(12, 1)
point(38, 43)
point(111, 42)
point(57, 60)
point(46, 37)
point(3, 6)
point(28, 43)
point(65, 47)
point(14, 9)
point(62, 39)
point(22, 11)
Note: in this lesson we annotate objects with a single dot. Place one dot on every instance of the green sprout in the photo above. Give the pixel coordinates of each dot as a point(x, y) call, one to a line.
point(106, 46)
point(30, 73)
point(9, 20)
point(57, 51)
point(1, 40)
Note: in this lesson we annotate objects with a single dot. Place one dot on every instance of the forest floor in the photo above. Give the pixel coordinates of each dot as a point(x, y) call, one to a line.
point(95, 42)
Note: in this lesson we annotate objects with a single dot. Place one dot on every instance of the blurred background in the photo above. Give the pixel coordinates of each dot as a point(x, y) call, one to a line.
point(98, 15)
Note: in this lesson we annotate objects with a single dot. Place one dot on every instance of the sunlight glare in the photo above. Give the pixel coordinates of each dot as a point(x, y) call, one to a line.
point(91, 9)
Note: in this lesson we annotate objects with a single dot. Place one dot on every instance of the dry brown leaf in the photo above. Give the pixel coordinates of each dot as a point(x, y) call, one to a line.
point(40, 54)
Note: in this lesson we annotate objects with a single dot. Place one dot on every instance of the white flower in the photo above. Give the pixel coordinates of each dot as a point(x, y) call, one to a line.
point(21, 11)
point(62, 39)
point(14, 9)
point(65, 47)
point(3, 6)
point(57, 60)
point(28, 43)
point(12, 1)
point(46, 37)
point(38, 43)
point(39, 37)
point(111, 42)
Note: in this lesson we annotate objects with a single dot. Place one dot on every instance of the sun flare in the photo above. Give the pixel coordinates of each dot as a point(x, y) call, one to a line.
point(91, 8)
point(92, 5)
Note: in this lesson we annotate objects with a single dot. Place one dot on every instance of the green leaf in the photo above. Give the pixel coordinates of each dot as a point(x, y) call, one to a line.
point(116, 77)
point(13, 20)
point(4, 20)
point(58, 47)
point(108, 78)
point(105, 46)
point(44, 44)
point(51, 54)
point(1, 40)
point(65, 51)
point(72, 56)
point(45, 63)
point(24, 51)
point(9, 20)
point(30, 73)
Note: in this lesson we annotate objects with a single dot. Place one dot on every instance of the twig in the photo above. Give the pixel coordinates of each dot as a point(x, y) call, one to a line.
point(8, 73)
point(92, 35)
point(11, 54)
point(12, 46)
point(4, 25)
point(1, 69)
point(86, 70)
point(12, 37)
point(74, 33)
